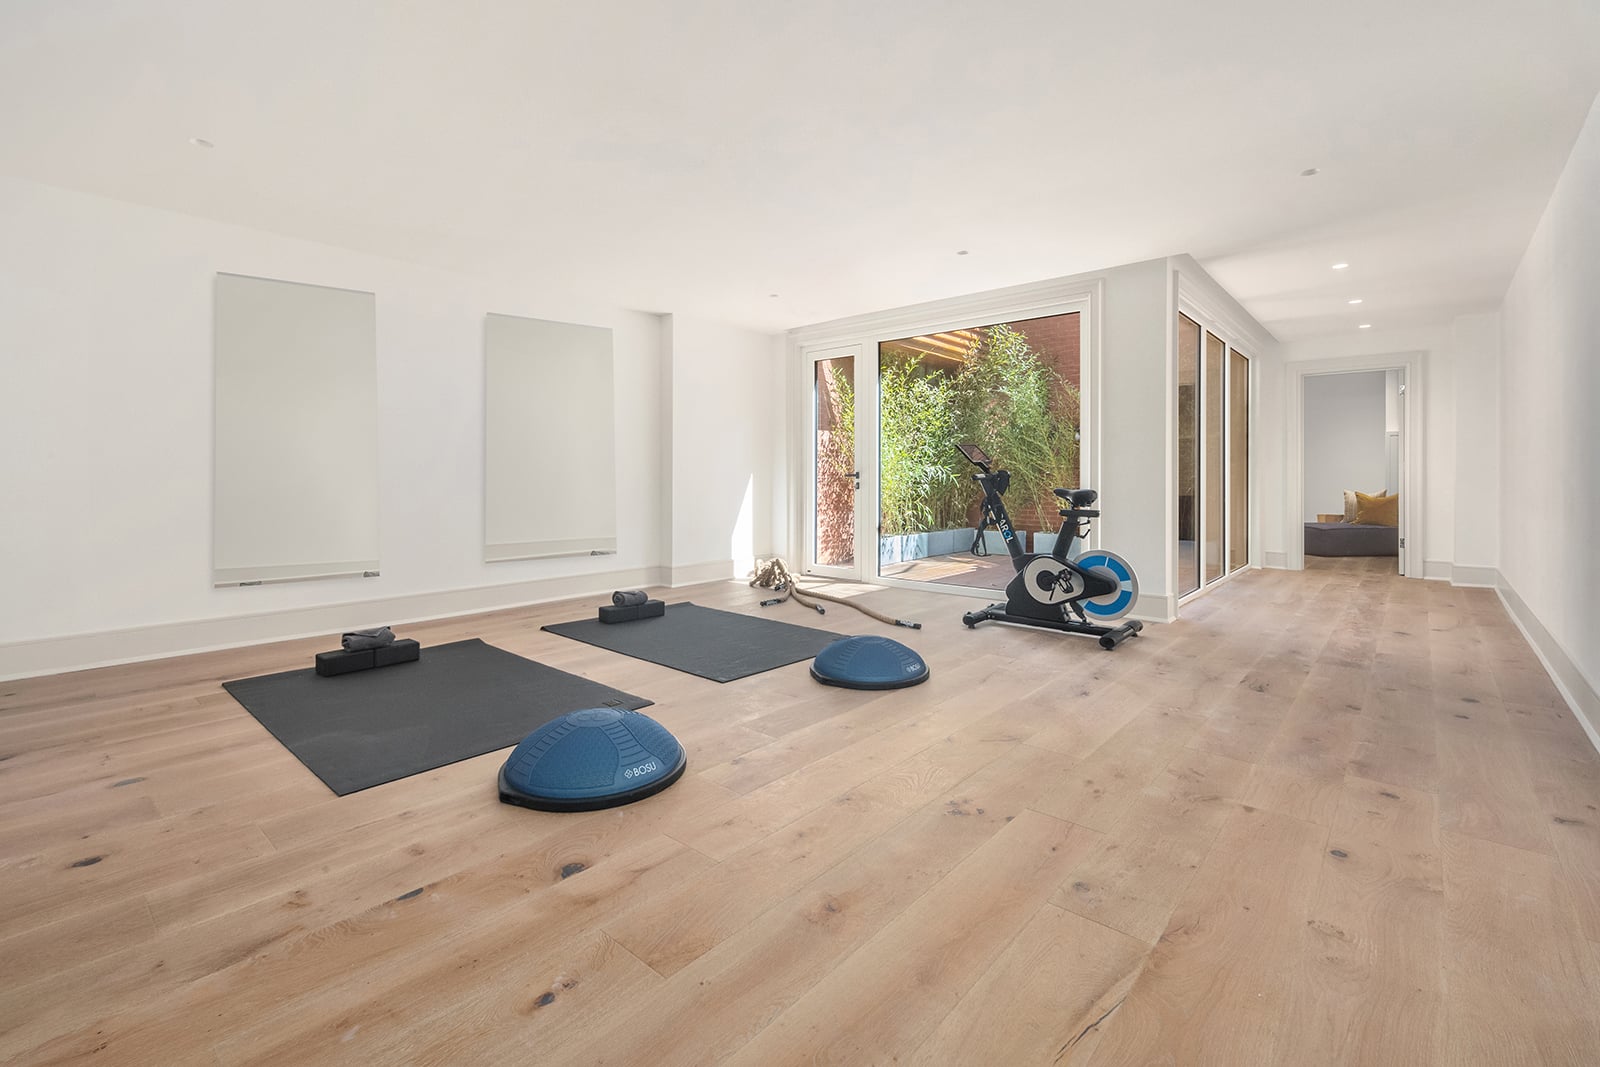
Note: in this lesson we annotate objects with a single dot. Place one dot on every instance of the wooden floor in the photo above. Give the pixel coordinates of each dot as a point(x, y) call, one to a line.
point(1334, 817)
point(991, 572)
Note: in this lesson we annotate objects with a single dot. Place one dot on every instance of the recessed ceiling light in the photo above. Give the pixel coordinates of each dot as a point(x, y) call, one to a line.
point(1357, 300)
point(1310, 172)
point(1365, 326)
point(1341, 266)
point(201, 142)
point(962, 252)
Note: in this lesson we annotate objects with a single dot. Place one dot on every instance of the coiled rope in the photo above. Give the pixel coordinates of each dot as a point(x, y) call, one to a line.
point(774, 574)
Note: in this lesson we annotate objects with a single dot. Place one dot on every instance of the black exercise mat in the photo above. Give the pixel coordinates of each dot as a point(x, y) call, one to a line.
point(720, 645)
point(458, 701)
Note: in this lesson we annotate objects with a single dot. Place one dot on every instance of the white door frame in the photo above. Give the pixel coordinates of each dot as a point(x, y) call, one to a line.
point(1413, 481)
point(863, 334)
point(810, 357)
point(1231, 566)
point(1225, 328)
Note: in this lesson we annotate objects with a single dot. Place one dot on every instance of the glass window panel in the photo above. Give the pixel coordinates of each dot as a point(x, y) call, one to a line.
point(835, 452)
point(1013, 389)
point(1213, 483)
point(1238, 461)
point(1188, 454)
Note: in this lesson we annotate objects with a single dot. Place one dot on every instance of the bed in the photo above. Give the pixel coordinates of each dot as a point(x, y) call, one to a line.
point(1351, 539)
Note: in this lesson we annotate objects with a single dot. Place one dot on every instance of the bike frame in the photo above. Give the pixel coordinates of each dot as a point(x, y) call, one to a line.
point(1068, 547)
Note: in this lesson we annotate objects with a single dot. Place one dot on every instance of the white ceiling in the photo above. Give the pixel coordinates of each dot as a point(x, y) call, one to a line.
point(698, 157)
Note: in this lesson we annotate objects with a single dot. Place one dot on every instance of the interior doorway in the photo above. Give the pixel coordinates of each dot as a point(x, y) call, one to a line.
point(1354, 432)
point(1392, 446)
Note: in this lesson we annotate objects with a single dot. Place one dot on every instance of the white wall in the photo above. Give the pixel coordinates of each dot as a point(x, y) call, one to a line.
point(1268, 461)
point(1549, 447)
point(1134, 436)
point(105, 422)
point(727, 458)
point(1345, 445)
point(1475, 345)
point(1439, 457)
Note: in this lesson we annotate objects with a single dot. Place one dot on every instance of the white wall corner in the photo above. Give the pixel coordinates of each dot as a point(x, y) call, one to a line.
point(1437, 570)
point(1155, 607)
point(1197, 289)
point(76, 652)
point(664, 455)
point(1581, 694)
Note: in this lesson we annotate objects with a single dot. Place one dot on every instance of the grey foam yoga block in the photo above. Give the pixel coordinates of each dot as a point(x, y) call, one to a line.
point(341, 662)
point(403, 650)
point(650, 609)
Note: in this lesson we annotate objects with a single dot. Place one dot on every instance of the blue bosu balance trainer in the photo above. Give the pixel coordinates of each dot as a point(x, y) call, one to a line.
point(594, 758)
point(868, 663)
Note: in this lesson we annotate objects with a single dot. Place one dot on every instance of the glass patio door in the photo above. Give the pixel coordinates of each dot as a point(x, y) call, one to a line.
point(1213, 430)
point(831, 539)
point(1013, 388)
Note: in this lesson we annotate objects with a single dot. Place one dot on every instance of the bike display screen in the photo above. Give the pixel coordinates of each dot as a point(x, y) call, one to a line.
point(975, 454)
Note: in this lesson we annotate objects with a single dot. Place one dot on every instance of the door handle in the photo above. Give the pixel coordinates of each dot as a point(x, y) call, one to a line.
point(857, 476)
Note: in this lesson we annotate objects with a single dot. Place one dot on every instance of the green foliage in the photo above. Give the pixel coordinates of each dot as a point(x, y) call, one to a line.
point(836, 461)
point(842, 453)
point(917, 433)
point(1004, 398)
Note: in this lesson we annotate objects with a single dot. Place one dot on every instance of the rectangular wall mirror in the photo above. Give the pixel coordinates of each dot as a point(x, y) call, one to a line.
point(296, 418)
point(549, 451)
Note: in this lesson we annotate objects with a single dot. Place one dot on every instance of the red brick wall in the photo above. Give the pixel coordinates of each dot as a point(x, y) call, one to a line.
point(1056, 339)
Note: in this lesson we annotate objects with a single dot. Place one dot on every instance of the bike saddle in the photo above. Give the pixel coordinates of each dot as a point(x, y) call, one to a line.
point(1078, 498)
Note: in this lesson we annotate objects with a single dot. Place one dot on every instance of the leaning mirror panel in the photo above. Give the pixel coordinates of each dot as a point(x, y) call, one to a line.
point(296, 432)
point(549, 447)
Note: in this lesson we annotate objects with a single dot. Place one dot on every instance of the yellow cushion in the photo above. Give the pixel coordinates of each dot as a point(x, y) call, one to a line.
point(1350, 504)
point(1377, 510)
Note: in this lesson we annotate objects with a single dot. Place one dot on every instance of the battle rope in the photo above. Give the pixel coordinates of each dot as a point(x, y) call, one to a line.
point(773, 574)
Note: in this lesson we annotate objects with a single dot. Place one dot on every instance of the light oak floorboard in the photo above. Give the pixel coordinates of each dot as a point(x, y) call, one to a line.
point(1522, 985)
point(1217, 988)
point(891, 991)
point(1134, 878)
point(1328, 817)
point(1058, 980)
point(1371, 986)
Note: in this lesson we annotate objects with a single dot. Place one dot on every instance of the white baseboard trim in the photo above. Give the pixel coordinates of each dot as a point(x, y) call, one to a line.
point(1275, 560)
point(76, 652)
point(1155, 607)
point(1465, 575)
point(1581, 694)
point(695, 573)
point(1474, 577)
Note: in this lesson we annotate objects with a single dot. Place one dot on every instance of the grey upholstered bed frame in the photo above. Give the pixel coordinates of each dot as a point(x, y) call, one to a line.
point(1351, 539)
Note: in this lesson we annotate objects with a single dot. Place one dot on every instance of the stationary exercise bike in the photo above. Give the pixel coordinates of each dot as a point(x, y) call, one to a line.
point(1061, 590)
